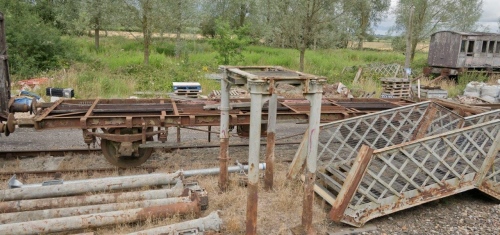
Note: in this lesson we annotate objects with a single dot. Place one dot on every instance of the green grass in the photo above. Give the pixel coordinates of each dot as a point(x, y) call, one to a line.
point(116, 70)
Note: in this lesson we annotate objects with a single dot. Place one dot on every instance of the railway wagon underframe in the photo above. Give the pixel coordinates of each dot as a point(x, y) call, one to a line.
point(125, 127)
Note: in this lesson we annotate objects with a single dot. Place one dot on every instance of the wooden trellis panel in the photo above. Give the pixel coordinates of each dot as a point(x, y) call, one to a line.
point(383, 70)
point(340, 141)
point(380, 163)
point(394, 178)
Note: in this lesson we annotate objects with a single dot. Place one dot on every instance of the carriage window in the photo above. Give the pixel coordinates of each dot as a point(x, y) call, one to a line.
point(497, 50)
point(491, 47)
point(463, 45)
point(484, 47)
point(470, 48)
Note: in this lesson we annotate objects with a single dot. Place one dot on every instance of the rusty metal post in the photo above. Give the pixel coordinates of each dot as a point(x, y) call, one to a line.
point(257, 89)
point(209, 134)
point(4, 72)
point(178, 134)
point(18, 217)
point(314, 96)
point(224, 133)
point(101, 219)
point(212, 222)
point(271, 139)
point(94, 185)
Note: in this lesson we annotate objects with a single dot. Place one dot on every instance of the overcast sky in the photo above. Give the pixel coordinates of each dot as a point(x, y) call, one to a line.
point(489, 18)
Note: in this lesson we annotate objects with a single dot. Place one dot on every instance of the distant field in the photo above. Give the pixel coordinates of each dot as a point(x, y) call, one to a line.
point(422, 47)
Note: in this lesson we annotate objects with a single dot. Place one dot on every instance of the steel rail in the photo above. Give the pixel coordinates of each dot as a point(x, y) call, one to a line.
point(62, 152)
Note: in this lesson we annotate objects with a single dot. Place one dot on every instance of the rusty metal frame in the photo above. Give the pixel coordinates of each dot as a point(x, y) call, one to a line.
point(340, 141)
point(413, 173)
point(110, 113)
point(261, 82)
point(434, 157)
point(4, 73)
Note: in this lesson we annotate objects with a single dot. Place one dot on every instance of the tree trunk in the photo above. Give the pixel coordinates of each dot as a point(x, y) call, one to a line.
point(302, 55)
point(360, 42)
point(96, 35)
point(178, 29)
point(146, 29)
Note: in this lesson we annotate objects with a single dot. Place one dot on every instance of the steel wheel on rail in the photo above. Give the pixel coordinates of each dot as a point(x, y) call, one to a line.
point(110, 148)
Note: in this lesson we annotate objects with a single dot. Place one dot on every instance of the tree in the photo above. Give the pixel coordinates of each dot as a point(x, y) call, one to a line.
point(98, 14)
point(431, 16)
point(229, 43)
point(302, 21)
point(34, 45)
point(181, 14)
point(366, 14)
point(234, 12)
point(148, 15)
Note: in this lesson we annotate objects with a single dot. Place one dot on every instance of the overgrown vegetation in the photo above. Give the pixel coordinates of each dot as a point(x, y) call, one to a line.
point(116, 70)
point(34, 46)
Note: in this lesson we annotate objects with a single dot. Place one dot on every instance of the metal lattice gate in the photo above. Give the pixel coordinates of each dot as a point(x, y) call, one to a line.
point(384, 162)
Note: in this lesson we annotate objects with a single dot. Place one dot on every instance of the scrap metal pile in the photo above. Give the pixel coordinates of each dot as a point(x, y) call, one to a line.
point(380, 163)
point(57, 206)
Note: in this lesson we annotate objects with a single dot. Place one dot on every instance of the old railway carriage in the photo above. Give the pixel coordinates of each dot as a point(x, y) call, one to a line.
point(451, 53)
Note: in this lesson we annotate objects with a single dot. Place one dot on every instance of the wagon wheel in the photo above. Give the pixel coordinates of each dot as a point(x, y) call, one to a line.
point(110, 148)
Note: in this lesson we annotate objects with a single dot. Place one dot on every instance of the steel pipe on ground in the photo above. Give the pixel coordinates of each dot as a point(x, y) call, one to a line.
point(214, 171)
point(17, 217)
point(51, 203)
point(92, 186)
point(101, 219)
point(188, 173)
point(212, 222)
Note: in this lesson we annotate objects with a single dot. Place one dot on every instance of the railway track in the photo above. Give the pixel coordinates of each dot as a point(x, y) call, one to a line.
point(5, 175)
point(62, 152)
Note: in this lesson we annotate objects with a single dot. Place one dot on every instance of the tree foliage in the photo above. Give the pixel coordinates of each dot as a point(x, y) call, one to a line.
point(364, 15)
point(301, 22)
point(34, 45)
point(431, 16)
point(235, 12)
point(229, 43)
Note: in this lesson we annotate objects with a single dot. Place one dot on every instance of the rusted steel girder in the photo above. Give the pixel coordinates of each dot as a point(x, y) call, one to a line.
point(168, 113)
point(102, 219)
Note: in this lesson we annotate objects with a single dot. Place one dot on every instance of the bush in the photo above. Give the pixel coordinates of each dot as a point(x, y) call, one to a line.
point(167, 49)
point(33, 45)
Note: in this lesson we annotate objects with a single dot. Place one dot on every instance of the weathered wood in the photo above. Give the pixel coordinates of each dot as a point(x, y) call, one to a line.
point(351, 183)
